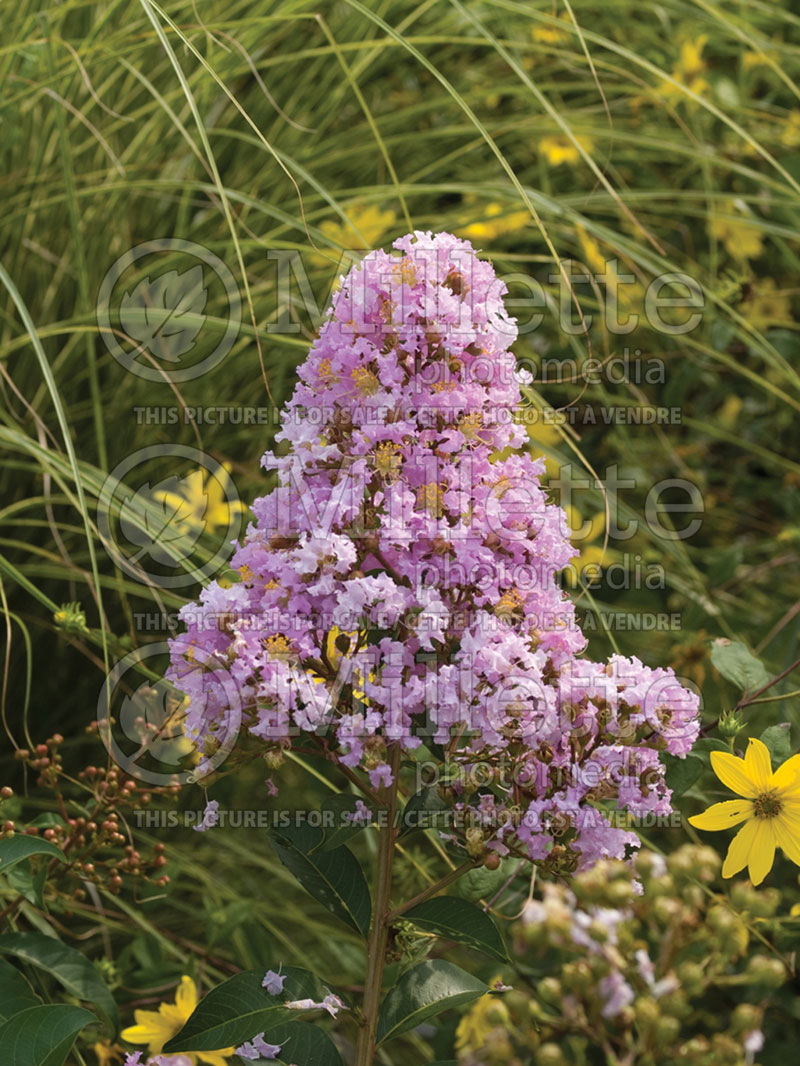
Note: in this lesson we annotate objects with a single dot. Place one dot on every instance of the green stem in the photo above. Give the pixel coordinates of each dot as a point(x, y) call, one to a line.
point(379, 931)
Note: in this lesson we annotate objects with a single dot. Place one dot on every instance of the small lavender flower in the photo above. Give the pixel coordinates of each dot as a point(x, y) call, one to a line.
point(210, 817)
point(258, 1050)
point(273, 982)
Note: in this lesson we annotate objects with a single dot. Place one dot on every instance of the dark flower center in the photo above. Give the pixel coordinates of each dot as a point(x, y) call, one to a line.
point(768, 805)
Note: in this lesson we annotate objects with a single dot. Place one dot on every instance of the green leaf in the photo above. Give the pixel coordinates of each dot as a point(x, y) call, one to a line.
point(15, 992)
point(240, 1007)
point(23, 880)
point(69, 967)
point(705, 745)
point(303, 1044)
point(457, 919)
point(482, 883)
point(423, 811)
point(681, 774)
point(334, 878)
point(42, 1035)
point(304, 837)
point(421, 993)
point(19, 847)
point(778, 739)
point(738, 665)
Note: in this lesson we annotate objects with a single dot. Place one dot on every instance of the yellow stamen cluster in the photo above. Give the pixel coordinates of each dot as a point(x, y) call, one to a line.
point(406, 270)
point(471, 425)
point(278, 648)
point(430, 498)
point(510, 603)
point(366, 382)
point(501, 487)
point(387, 460)
point(767, 805)
point(326, 373)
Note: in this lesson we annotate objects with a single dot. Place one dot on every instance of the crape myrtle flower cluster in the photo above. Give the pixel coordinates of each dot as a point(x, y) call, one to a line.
point(414, 553)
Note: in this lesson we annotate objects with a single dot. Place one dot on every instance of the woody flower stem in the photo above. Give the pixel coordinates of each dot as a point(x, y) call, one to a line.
point(379, 930)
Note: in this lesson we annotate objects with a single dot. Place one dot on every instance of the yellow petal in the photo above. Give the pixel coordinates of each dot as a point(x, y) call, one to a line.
point(788, 840)
point(739, 851)
point(214, 1058)
point(757, 764)
point(787, 776)
point(195, 491)
point(731, 772)
point(151, 1029)
point(181, 508)
point(215, 485)
point(723, 815)
point(762, 850)
point(186, 996)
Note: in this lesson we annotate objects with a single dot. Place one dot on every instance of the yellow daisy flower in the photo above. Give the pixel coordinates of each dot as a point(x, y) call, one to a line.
point(769, 807)
point(155, 1028)
point(200, 501)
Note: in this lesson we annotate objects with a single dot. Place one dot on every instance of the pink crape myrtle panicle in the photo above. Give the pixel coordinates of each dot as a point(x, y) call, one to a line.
point(399, 581)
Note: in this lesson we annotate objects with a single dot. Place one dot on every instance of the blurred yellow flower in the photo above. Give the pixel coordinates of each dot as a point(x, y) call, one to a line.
point(585, 568)
point(495, 223)
point(365, 226)
point(728, 413)
point(548, 435)
point(107, 1054)
point(626, 294)
point(769, 807)
point(766, 305)
point(155, 1028)
point(200, 502)
point(549, 35)
point(479, 1023)
point(688, 72)
point(558, 150)
point(791, 131)
point(740, 236)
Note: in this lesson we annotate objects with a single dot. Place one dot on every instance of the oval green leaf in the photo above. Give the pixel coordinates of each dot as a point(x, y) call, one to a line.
point(69, 967)
point(43, 1035)
point(738, 665)
point(240, 1007)
point(19, 847)
point(458, 919)
point(15, 992)
point(303, 1044)
point(334, 878)
point(424, 991)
